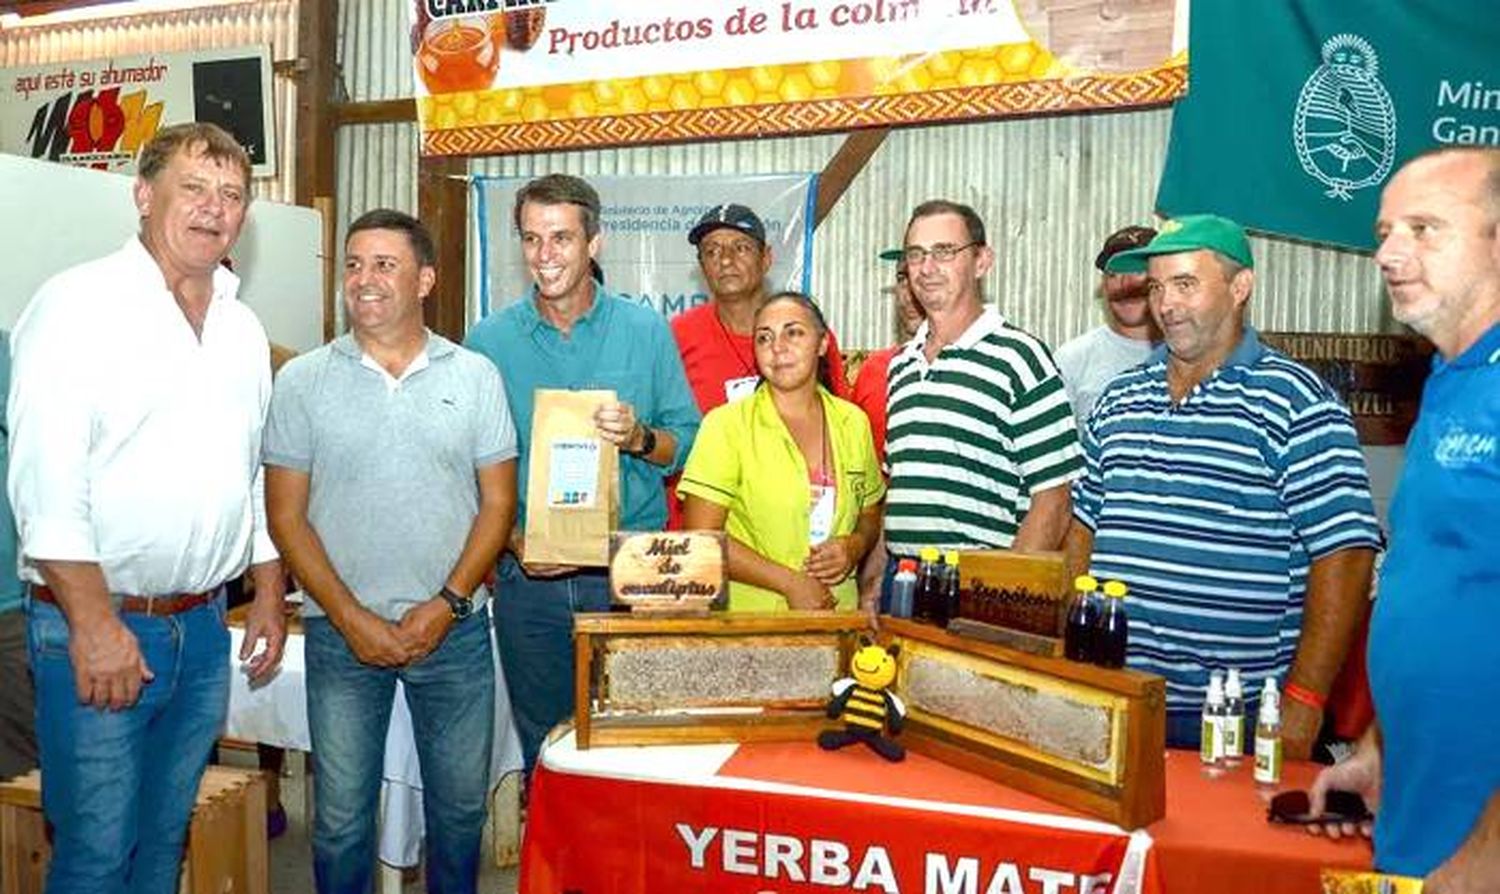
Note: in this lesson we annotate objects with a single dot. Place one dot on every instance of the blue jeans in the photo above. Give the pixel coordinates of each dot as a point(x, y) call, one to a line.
point(119, 786)
point(451, 694)
point(534, 630)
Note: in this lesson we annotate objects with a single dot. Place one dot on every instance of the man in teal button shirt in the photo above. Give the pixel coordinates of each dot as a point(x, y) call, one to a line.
point(569, 333)
point(17, 712)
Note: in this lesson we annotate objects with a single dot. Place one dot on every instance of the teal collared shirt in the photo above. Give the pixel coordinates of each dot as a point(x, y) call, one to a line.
point(11, 589)
point(617, 345)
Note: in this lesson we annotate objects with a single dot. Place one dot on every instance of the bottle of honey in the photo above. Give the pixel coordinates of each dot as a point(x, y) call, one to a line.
point(1083, 615)
point(1111, 629)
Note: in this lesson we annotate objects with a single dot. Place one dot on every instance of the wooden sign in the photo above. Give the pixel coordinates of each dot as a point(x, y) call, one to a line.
point(669, 570)
point(1015, 599)
point(1379, 377)
point(1084, 736)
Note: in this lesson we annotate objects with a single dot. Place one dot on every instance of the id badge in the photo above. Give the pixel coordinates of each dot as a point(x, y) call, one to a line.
point(820, 515)
point(734, 389)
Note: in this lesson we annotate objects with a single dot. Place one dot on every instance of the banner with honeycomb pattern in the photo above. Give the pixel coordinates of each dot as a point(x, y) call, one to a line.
point(508, 76)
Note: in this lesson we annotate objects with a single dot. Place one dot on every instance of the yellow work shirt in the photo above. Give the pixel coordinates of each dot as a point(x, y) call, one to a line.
point(745, 460)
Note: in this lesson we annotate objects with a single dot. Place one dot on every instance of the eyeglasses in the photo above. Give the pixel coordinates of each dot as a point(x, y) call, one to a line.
point(942, 253)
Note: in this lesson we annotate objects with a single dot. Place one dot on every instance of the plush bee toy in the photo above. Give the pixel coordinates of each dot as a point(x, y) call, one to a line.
point(865, 703)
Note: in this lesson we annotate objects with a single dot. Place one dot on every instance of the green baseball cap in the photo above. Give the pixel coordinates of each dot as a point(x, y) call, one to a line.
point(1190, 232)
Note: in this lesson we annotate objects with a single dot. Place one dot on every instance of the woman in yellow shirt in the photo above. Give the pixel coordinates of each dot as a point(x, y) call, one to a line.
point(789, 472)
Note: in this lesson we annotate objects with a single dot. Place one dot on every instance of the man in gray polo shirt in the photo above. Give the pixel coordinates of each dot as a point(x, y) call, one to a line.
point(391, 487)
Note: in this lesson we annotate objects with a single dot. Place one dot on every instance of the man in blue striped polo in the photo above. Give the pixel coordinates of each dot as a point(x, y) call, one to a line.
point(1224, 484)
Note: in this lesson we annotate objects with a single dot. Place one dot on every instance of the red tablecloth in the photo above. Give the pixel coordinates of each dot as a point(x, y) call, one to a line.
point(791, 818)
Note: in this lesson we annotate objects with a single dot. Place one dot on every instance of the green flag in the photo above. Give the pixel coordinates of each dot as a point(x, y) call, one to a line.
point(1298, 111)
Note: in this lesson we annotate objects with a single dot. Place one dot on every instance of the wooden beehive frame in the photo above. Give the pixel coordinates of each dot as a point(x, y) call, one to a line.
point(1126, 785)
point(599, 720)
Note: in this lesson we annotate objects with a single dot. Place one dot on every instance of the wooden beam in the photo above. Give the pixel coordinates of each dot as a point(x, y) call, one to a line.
point(845, 165)
point(317, 34)
point(332, 254)
point(443, 205)
point(384, 111)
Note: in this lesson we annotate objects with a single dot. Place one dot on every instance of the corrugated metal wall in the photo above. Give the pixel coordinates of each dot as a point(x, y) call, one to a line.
point(272, 22)
point(1050, 189)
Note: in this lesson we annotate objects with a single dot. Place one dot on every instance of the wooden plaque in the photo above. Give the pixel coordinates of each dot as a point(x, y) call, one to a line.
point(672, 571)
point(1022, 592)
point(1084, 736)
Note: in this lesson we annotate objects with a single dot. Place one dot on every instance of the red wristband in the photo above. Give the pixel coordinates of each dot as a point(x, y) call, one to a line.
point(1305, 696)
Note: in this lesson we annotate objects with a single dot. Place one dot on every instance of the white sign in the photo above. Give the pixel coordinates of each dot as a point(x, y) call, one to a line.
point(98, 113)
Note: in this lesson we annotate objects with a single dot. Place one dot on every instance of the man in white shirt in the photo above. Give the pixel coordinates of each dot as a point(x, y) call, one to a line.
point(139, 391)
point(1089, 361)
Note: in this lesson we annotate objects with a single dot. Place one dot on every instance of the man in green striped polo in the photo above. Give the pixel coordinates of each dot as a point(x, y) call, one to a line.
point(982, 444)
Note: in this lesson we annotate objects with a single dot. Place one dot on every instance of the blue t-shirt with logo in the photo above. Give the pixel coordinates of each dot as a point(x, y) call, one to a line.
point(1434, 659)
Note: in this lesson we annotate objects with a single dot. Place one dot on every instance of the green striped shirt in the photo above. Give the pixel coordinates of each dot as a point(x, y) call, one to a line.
point(972, 436)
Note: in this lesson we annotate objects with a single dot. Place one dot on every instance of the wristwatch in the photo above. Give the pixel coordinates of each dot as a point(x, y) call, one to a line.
point(460, 606)
point(648, 442)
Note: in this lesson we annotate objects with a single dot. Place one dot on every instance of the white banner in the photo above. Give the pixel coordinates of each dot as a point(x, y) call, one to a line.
point(645, 255)
point(98, 113)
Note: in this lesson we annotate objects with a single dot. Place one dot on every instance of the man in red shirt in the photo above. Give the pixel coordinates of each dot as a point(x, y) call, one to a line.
point(870, 383)
point(714, 338)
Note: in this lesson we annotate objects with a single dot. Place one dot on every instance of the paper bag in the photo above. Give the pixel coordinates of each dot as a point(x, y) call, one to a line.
point(573, 485)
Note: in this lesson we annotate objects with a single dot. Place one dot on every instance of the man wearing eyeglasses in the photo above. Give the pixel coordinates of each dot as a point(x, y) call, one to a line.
point(1125, 339)
point(981, 445)
point(1224, 484)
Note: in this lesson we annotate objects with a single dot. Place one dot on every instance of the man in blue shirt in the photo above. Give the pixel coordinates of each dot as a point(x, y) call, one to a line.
point(569, 333)
point(17, 709)
point(1433, 754)
point(1224, 484)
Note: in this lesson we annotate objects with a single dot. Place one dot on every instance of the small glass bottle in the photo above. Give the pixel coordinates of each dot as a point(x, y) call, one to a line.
point(1211, 749)
point(1234, 719)
point(928, 584)
point(950, 588)
point(1083, 613)
point(1112, 628)
point(1268, 736)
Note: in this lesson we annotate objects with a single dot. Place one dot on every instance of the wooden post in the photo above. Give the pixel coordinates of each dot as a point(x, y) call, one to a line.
point(317, 32)
point(443, 205)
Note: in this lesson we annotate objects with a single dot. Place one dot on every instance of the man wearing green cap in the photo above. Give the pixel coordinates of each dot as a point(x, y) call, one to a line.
point(1224, 484)
point(870, 385)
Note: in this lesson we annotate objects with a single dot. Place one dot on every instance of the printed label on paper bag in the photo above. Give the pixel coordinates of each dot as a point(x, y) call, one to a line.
point(573, 479)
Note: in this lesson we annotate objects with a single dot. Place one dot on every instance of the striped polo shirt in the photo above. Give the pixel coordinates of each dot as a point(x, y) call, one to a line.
point(972, 436)
point(1212, 510)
